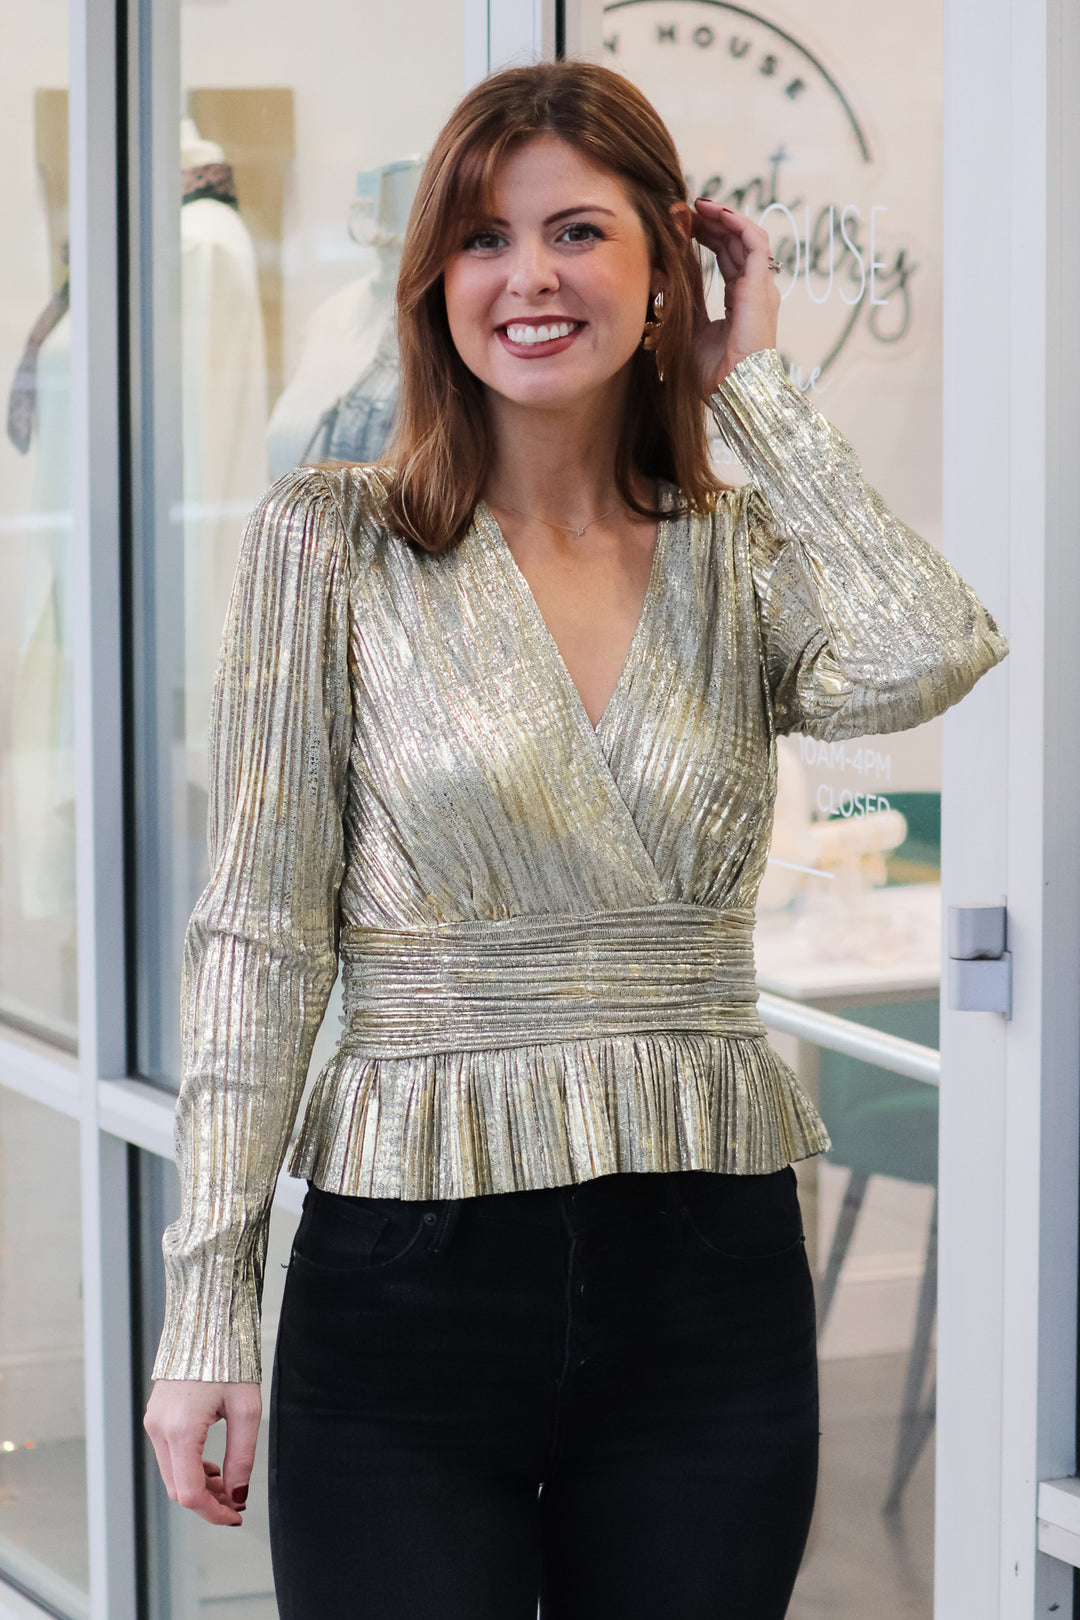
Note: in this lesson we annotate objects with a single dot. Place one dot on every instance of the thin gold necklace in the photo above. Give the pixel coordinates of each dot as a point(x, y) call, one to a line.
point(567, 528)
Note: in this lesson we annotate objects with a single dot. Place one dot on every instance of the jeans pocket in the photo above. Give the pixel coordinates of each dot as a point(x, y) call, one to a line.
point(747, 1218)
point(346, 1235)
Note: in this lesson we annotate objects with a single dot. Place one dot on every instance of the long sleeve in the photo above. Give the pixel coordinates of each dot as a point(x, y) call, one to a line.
point(866, 628)
point(261, 948)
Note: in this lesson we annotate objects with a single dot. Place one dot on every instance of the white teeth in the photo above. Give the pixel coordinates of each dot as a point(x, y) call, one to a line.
point(539, 334)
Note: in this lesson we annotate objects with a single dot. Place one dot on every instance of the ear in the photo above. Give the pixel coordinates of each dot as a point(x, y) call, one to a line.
point(683, 215)
point(684, 223)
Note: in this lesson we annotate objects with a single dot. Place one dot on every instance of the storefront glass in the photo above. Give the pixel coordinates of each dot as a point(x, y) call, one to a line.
point(37, 786)
point(299, 145)
point(827, 128)
point(298, 151)
point(43, 1531)
point(300, 142)
point(296, 167)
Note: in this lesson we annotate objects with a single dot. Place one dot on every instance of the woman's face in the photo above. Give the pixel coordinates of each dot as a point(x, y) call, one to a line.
point(546, 299)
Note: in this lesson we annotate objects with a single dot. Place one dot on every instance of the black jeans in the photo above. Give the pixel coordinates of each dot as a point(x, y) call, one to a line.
point(601, 1396)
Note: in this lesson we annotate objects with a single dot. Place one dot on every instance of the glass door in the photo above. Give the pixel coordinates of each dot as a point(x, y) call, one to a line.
point(831, 136)
point(278, 155)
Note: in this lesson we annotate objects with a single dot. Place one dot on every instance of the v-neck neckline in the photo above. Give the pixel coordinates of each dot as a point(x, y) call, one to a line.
point(539, 624)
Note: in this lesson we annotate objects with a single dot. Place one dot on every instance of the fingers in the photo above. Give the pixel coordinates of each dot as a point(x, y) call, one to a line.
point(178, 1419)
point(164, 1462)
point(193, 1479)
point(243, 1410)
point(751, 296)
point(740, 245)
point(730, 260)
point(215, 1484)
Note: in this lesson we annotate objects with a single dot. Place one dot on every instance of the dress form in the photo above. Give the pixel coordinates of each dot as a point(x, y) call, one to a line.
point(224, 394)
point(334, 405)
point(43, 768)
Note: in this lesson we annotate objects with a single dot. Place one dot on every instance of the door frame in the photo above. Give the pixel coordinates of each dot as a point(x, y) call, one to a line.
point(1010, 1123)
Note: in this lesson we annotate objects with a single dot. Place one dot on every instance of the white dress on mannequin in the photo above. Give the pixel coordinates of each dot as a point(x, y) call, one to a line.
point(224, 390)
point(43, 767)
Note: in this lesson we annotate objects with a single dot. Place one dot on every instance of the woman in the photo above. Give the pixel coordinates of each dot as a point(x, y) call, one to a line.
point(496, 724)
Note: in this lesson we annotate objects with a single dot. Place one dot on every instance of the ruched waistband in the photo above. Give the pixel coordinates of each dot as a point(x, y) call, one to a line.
point(481, 986)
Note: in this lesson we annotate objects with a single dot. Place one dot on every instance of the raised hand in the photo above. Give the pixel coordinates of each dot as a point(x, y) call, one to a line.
point(751, 296)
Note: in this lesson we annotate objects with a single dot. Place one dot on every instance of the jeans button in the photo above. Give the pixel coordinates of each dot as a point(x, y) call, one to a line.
point(430, 1217)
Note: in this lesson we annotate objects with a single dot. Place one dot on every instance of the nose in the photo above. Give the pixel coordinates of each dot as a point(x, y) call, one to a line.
point(532, 270)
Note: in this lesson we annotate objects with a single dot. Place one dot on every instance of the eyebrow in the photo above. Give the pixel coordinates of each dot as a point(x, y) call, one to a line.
point(564, 213)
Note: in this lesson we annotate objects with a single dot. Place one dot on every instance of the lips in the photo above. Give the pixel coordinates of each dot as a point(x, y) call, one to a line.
point(538, 337)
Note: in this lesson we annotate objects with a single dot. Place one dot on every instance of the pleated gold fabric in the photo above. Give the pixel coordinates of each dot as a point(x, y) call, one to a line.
point(479, 987)
point(545, 928)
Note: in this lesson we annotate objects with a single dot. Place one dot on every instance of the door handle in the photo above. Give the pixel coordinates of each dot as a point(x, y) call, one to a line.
point(979, 967)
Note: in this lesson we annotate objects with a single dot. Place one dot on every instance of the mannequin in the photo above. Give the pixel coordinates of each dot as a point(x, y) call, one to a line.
point(224, 414)
point(340, 400)
point(42, 721)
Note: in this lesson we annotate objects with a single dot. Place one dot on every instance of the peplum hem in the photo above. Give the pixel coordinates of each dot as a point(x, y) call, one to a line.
point(463, 1124)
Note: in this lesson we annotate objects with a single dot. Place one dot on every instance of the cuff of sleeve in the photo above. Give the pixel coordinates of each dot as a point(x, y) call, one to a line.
point(212, 1323)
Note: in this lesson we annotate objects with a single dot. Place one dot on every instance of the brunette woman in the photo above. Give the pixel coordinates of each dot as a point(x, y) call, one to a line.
point(495, 729)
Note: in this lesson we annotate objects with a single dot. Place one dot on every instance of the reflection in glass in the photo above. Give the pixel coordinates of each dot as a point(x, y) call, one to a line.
point(831, 136)
point(37, 784)
point(43, 1535)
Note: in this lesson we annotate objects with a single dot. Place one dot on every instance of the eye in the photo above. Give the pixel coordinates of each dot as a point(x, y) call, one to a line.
point(483, 242)
point(586, 229)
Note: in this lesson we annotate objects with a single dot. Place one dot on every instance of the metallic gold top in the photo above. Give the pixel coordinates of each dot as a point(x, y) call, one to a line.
point(545, 928)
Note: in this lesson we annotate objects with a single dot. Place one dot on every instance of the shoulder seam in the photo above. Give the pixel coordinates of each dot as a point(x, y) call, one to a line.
point(338, 513)
point(368, 514)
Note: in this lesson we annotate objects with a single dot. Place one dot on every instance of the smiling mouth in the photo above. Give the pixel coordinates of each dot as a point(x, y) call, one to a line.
point(529, 336)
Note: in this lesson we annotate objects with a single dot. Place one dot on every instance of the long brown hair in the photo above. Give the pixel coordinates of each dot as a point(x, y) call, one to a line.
point(438, 462)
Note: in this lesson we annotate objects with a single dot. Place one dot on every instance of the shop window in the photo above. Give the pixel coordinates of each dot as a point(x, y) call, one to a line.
point(43, 1531)
point(830, 134)
point(299, 140)
point(299, 144)
point(37, 767)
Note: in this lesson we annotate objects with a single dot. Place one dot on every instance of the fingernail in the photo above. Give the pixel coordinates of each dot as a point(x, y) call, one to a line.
point(240, 1494)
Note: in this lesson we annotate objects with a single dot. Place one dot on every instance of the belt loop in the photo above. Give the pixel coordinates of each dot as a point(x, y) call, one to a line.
point(447, 1223)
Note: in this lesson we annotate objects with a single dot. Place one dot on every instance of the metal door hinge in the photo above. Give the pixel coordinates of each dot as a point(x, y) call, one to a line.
point(979, 966)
